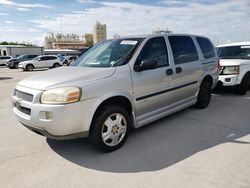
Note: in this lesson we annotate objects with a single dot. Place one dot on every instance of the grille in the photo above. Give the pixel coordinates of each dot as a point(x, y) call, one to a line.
point(24, 96)
point(23, 109)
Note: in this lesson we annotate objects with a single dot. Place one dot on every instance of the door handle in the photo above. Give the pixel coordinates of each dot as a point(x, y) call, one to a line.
point(169, 72)
point(178, 70)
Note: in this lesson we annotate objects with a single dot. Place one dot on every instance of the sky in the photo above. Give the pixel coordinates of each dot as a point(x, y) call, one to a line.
point(222, 21)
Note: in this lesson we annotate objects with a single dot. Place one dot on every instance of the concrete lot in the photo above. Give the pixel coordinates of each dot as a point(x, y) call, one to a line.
point(192, 148)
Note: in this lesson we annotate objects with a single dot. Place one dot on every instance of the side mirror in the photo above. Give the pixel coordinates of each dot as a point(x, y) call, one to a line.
point(145, 65)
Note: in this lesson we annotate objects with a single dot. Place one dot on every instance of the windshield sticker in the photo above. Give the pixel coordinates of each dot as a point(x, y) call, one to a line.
point(245, 47)
point(128, 42)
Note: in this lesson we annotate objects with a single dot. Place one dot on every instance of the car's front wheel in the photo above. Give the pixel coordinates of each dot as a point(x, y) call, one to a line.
point(29, 67)
point(242, 88)
point(56, 65)
point(204, 95)
point(110, 127)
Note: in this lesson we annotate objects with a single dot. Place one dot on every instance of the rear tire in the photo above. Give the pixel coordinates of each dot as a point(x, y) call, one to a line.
point(109, 129)
point(29, 68)
point(16, 65)
point(204, 95)
point(242, 88)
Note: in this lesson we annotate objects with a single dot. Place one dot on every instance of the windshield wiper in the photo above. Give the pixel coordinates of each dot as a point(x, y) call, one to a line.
point(123, 59)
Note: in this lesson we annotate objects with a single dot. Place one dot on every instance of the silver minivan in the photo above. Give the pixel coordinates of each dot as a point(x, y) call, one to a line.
point(118, 85)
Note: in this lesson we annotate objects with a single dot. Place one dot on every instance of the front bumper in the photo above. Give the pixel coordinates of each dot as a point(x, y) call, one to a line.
point(228, 80)
point(68, 121)
point(20, 66)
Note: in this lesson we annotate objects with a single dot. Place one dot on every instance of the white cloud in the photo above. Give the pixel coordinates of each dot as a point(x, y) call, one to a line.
point(227, 20)
point(22, 9)
point(22, 5)
point(35, 5)
point(86, 1)
point(8, 22)
point(7, 2)
point(3, 14)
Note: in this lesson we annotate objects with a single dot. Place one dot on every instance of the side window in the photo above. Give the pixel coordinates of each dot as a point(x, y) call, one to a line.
point(53, 57)
point(44, 58)
point(183, 48)
point(155, 49)
point(206, 47)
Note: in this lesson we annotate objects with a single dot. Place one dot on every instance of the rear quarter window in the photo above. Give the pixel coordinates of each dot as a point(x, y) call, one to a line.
point(183, 48)
point(206, 47)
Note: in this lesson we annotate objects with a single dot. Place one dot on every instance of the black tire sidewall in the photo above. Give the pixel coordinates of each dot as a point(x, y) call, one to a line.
point(243, 86)
point(29, 66)
point(96, 127)
point(204, 96)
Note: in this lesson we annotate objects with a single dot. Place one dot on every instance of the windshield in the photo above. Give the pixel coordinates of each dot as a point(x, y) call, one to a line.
point(21, 57)
point(234, 52)
point(109, 53)
point(37, 58)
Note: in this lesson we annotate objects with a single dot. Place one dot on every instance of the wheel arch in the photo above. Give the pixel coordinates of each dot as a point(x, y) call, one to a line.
point(120, 100)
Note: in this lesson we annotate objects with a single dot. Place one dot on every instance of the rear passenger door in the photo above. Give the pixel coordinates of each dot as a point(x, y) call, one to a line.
point(209, 58)
point(187, 67)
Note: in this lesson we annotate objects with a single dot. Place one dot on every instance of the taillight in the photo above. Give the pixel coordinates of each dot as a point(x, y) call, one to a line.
point(218, 64)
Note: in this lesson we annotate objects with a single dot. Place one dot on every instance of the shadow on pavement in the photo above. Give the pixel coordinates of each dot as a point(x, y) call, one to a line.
point(5, 78)
point(165, 142)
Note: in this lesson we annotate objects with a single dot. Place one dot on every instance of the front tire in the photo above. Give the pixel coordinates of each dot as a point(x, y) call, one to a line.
point(204, 95)
point(110, 128)
point(56, 65)
point(29, 68)
point(242, 88)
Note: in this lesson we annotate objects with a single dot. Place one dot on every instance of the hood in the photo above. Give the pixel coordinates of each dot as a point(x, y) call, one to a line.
point(66, 76)
point(13, 60)
point(233, 62)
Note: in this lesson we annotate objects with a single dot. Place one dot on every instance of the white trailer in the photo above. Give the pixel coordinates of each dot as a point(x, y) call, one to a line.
point(15, 51)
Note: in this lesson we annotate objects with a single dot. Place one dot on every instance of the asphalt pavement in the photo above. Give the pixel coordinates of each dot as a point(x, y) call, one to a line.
point(192, 148)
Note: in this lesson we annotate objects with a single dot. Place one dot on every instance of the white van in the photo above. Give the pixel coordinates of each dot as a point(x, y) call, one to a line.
point(117, 85)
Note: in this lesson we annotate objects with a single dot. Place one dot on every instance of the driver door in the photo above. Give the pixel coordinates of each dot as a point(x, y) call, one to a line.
point(151, 86)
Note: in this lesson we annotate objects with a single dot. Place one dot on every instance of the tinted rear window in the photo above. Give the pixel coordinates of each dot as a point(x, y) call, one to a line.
point(206, 47)
point(183, 49)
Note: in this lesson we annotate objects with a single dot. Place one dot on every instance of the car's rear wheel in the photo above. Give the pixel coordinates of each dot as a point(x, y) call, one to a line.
point(16, 65)
point(56, 65)
point(242, 88)
point(204, 95)
point(110, 127)
point(29, 67)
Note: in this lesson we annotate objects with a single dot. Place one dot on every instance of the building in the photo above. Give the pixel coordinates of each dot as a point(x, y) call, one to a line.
point(99, 32)
point(68, 41)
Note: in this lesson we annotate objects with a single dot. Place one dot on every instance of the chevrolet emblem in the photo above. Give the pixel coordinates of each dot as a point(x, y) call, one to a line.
point(18, 103)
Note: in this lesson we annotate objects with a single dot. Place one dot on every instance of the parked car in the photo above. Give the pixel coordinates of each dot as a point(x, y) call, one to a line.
point(13, 63)
point(117, 85)
point(235, 66)
point(4, 59)
point(45, 61)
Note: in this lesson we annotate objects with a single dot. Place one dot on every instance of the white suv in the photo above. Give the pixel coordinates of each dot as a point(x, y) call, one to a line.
point(235, 66)
point(45, 61)
point(117, 85)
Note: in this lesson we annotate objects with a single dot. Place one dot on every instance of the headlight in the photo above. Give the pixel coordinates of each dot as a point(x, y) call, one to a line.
point(61, 95)
point(231, 70)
